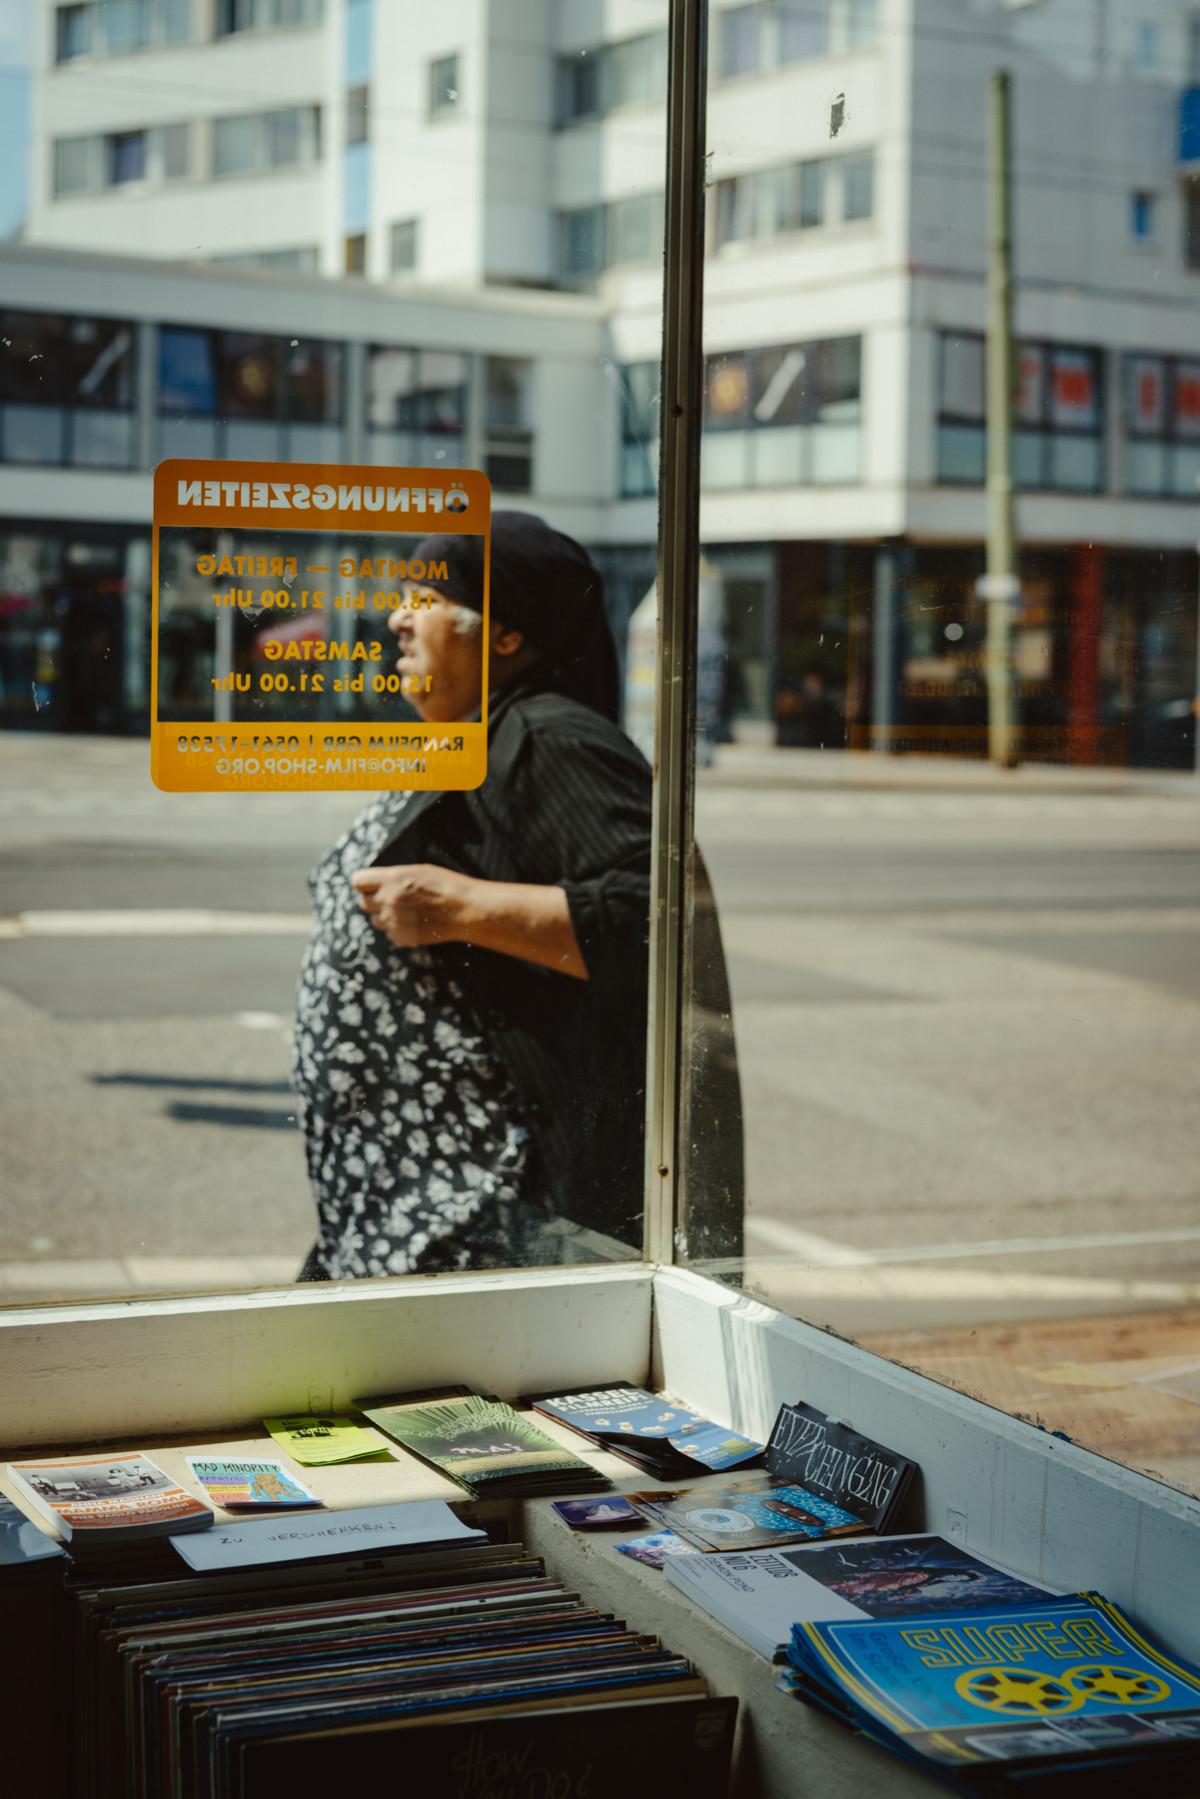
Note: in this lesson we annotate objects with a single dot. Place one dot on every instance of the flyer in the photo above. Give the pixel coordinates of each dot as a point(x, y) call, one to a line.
point(233, 1483)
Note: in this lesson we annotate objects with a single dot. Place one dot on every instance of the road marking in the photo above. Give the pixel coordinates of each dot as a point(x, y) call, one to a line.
point(143, 1274)
point(820, 1252)
point(176, 921)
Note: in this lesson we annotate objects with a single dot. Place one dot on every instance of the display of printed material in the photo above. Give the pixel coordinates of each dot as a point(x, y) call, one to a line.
point(655, 1549)
point(319, 1442)
point(665, 1439)
point(417, 1523)
point(755, 1513)
point(234, 1484)
point(1043, 1690)
point(483, 1444)
point(828, 1458)
point(109, 1499)
point(760, 1595)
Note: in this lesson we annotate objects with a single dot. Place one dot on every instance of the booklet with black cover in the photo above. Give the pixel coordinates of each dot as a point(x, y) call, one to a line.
point(483, 1444)
point(829, 1459)
point(668, 1441)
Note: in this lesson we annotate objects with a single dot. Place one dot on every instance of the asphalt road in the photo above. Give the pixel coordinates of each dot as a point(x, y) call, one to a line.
point(968, 1020)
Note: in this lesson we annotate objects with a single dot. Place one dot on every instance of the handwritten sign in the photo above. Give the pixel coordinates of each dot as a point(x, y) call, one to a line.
point(273, 664)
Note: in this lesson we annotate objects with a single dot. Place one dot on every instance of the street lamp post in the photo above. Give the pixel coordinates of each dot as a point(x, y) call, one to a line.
point(999, 587)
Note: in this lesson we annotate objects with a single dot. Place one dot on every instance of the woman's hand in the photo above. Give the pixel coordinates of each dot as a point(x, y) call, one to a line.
point(416, 903)
point(419, 903)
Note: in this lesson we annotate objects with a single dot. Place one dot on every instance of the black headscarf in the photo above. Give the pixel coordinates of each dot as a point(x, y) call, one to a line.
point(548, 588)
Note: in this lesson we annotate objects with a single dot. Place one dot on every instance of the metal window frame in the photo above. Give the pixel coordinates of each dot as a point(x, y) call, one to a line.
point(678, 588)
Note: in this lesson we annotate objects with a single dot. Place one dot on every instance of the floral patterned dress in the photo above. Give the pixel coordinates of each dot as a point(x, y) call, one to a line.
point(417, 1149)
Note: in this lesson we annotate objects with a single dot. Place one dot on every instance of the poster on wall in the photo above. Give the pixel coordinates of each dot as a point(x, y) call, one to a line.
point(290, 601)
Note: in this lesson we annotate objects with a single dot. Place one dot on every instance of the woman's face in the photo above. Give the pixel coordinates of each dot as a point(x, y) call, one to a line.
point(441, 665)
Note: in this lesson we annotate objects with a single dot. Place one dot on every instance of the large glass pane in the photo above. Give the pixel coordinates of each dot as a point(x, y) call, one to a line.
point(294, 240)
point(957, 886)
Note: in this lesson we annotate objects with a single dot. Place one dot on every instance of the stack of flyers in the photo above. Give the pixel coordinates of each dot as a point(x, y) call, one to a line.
point(756, 1513)
point(665, 1440)
point(1029, 1698)
point(104, 1500)
point(318, 1442)
point(483, 1444)
point(612, 1512)
point(234, 1484)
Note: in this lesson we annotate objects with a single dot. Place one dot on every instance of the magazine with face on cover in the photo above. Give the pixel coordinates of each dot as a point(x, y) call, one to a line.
point(756, 1513)
point(760, 1594)
point(109, 1499)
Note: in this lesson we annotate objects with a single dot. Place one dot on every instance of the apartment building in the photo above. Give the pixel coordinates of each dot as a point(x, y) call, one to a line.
point(492, 148)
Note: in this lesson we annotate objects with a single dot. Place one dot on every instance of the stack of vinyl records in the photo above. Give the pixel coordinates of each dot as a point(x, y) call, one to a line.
point(665, 1440)
point(413, 1671)
point(1057, 1696)
point(484, 1445)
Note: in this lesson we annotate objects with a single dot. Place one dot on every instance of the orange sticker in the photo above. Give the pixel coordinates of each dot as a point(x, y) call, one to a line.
point(273, 664)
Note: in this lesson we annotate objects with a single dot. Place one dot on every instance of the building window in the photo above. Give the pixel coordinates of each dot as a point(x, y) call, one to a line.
point(175, 152)
point(783, 417)
point(127, 158)
point(624, 232)
point(758, 39)
point(265, 15)
point(1191, 224)
point(356, 253)
point(1141, 218)
point(115, 27)
point(768, 203)
point(1058, 415)
point(357, 102)
point(257, 143)
point(417, 407)
point(631, 72)
point(584, 242)
point(403, 241)
point(1162, 426)
point(443, 86)
point(508, 420)
point(639, 429)
point(66, 390)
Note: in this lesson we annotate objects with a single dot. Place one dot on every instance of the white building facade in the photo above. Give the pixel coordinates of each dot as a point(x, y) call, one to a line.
point(464, 159)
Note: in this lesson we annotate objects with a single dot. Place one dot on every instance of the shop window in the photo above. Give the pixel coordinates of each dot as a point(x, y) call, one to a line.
point(509, 423)
point(403, 244)
point(1162, 426)
point(1058, 415)
point(783, 417)
point(248, 395)
point(443, 86)
point(67, 390)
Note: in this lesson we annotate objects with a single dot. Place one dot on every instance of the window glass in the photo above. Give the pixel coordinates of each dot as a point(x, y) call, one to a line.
point(250, 242)
point(945, 799)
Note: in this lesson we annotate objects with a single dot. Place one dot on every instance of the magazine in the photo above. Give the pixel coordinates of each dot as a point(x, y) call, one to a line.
point(597, 1514)
point(755, 1513)
point(760, 1595)
point(665, 1439)
point(656, 1549)
point(236, 1483)
point(825, 1456)
point(1046, 1683)
point(483, 1444)
point(21, 1542)
point(109, 1499)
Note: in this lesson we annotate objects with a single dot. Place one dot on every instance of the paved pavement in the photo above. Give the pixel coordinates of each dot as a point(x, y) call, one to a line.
point(966, 1005)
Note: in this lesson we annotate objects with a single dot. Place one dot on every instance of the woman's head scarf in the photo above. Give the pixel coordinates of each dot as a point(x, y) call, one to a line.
point(545, 586)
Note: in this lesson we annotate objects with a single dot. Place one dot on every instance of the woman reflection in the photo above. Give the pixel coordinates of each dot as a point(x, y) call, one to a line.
point(471, 1017)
